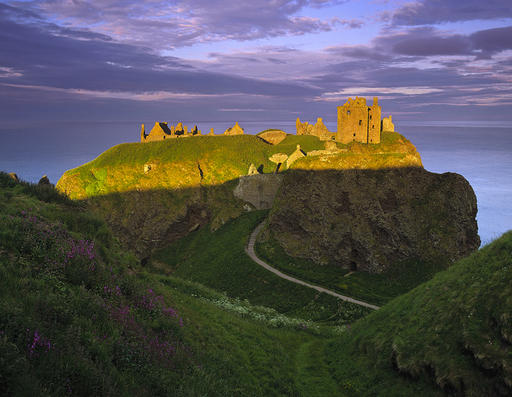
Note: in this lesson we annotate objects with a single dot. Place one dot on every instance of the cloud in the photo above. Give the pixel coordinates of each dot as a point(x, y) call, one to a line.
point(68, 61)
point(428, 41)
point(491, 41)
point(376, 91)
point(134, 96)
point(6, 72)
point(428, 12)
point(350, 23)
point(161, 24)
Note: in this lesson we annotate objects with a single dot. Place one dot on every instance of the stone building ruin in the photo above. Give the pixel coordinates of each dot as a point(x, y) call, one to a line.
point(161, 131)
point(318, 129)
point(387, 124)
point(359, 122)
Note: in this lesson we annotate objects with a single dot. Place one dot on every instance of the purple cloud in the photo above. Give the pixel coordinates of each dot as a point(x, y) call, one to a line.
point(160, 24)
point(491, 41)
point(427, 12)
point(43, 54)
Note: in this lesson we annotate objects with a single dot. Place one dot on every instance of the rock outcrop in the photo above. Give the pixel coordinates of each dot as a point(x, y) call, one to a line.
point(274, 137)
point(259, 190)
point(44, 181)
point(235, 130)
point(372, 219)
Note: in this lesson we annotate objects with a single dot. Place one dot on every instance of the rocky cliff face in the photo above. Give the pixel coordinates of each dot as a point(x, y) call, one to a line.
point(370, 219)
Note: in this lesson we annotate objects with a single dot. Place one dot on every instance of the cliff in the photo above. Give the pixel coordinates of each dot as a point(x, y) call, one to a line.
point(372, 219)
point(154, 193)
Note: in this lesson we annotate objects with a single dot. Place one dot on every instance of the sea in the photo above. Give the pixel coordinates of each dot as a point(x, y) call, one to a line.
point(480, 151)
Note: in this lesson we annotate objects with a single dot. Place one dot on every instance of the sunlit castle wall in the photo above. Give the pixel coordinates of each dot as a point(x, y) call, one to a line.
point(353, 121)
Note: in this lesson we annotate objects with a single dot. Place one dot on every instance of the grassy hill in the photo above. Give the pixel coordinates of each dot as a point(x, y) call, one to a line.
point(176, 164)
point(454, 332)
point(210, 160)
point(78, 316)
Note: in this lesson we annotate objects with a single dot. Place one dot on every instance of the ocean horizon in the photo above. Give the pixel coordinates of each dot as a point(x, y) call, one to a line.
point(479, 150)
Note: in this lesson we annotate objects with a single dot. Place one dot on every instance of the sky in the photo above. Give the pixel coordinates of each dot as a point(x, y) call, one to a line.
point(108, 60)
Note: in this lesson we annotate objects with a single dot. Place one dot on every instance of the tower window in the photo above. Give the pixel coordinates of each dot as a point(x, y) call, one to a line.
point(348, 112)
point(354, 134)
point(360, 122)
point(370, 116)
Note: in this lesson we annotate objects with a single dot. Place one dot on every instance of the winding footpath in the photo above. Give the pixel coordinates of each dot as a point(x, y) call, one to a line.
point(250, 251)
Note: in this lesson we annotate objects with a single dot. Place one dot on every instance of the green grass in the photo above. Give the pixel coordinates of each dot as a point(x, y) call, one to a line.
point(221, 158)
point(226, 347)
point(453, 332)
point(224, 266)
point(377, 289)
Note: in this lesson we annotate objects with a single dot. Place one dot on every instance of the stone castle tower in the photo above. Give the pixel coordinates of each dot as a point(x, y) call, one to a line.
point(359, 122)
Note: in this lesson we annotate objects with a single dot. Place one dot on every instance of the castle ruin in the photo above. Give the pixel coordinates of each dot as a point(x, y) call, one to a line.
point(161, 131)
point(318, 129)
point(359, 122)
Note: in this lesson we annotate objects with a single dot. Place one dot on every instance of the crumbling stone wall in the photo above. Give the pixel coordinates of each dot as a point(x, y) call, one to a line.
point(318, 129)
point(161, 131)
point(387, 124)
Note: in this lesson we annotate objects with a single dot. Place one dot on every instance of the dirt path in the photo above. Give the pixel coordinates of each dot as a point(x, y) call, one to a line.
point(250, 251)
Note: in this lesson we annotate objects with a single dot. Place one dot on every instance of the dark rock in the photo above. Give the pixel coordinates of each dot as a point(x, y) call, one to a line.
point(44, 181)
point(370, 219)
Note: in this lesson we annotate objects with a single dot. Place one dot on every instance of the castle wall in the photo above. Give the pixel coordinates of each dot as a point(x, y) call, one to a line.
point(353, 121)
point(374, 123)
point(387, 124)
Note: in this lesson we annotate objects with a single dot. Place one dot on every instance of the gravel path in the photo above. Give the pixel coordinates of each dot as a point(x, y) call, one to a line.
point(250, 251)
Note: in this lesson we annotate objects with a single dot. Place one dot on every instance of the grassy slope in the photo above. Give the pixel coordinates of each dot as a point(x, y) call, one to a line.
point(453, 331)
point(93, 350)
point(224, 266)
point(373, 288)
point(221, 158)
point(393, 151)
point(175, 163)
